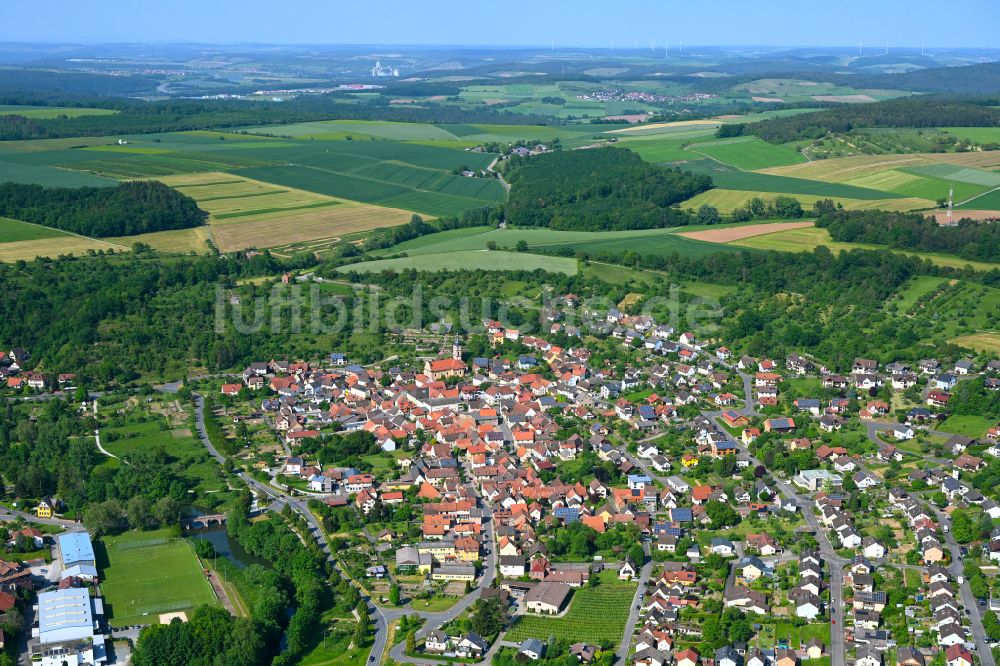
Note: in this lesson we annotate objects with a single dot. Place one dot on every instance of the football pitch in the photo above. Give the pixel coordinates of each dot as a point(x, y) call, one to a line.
point(149, 573)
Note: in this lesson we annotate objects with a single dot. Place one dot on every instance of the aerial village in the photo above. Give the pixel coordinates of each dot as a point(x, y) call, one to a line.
point(694, 508)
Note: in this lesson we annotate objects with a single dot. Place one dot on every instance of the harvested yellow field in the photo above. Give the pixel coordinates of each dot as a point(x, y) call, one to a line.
point(981, 342)
point(668, 127)
point(727, 200)
point(844, 169)
point(247, 213)
point(729, 234)
point(53, 247)
point(179, 240)
point(885, 180)
point(230, 199)
point(807, 239)
point(280, 228)
point(983, 160)
point(844, 99)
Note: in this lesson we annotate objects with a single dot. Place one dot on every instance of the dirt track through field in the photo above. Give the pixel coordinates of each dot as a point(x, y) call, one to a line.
point(739, 233)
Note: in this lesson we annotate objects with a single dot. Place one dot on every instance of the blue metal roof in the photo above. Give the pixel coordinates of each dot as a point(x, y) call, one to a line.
point(76, 548)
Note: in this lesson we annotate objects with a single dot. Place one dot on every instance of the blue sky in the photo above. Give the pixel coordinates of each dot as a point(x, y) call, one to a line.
point(508, 22)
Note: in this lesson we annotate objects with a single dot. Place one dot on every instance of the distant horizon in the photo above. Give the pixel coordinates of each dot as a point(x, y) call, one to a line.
point(876, 48)
point(521, 23)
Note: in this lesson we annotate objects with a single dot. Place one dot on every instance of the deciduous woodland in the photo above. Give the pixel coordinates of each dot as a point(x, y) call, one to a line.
point(601, 189)
point(135, 207)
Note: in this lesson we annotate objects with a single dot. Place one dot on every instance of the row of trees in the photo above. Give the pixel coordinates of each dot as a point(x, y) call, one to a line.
point(758, 209)
point(134, 207)
point(973, 240)
point(417, 227)
point(901, 112)
point(304, 567)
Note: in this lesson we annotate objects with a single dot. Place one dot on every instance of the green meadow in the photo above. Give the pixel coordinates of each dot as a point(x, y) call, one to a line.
point(43, 112)
point(15, 230)
point(482, 260)
point(749, 153)
point(651, 241)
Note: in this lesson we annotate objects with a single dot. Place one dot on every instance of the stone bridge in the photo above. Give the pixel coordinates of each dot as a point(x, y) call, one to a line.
point(201, 522)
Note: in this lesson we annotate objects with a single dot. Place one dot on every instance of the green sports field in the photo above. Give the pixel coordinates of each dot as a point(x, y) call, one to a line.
point(148, 573)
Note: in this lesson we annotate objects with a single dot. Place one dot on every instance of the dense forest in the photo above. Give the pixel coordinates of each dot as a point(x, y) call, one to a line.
point(211, 636)
point(134, 316)
point(902, 112)
point(973, 240)
point(112, 320)
point(45, 83)
point(134, 207)
point(598, 190)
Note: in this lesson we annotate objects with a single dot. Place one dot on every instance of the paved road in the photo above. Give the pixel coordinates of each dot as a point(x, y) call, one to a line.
point(436, 620)
point(634, 609)
point(836, 565)
point(9, 515)
point(965, 592)
point(834, 561)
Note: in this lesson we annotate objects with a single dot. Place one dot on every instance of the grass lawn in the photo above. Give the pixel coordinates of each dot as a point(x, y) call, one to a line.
point(52, 111)
point(637, 396)
point(797, 636)
point(148, 573)
point(917, 288)
point(597, 614)
point(749, 153)
point(985, 342)
point(43, 554)
point(614, 274)
point(435, 604)
point(970, 426)
point(332, 649)
point(192, 459)
point(647, 241)
point(805, 386)
point(383, 462)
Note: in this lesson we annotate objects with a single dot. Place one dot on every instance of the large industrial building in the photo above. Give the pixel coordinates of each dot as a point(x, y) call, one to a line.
point(69, 629)
point(76, 553)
